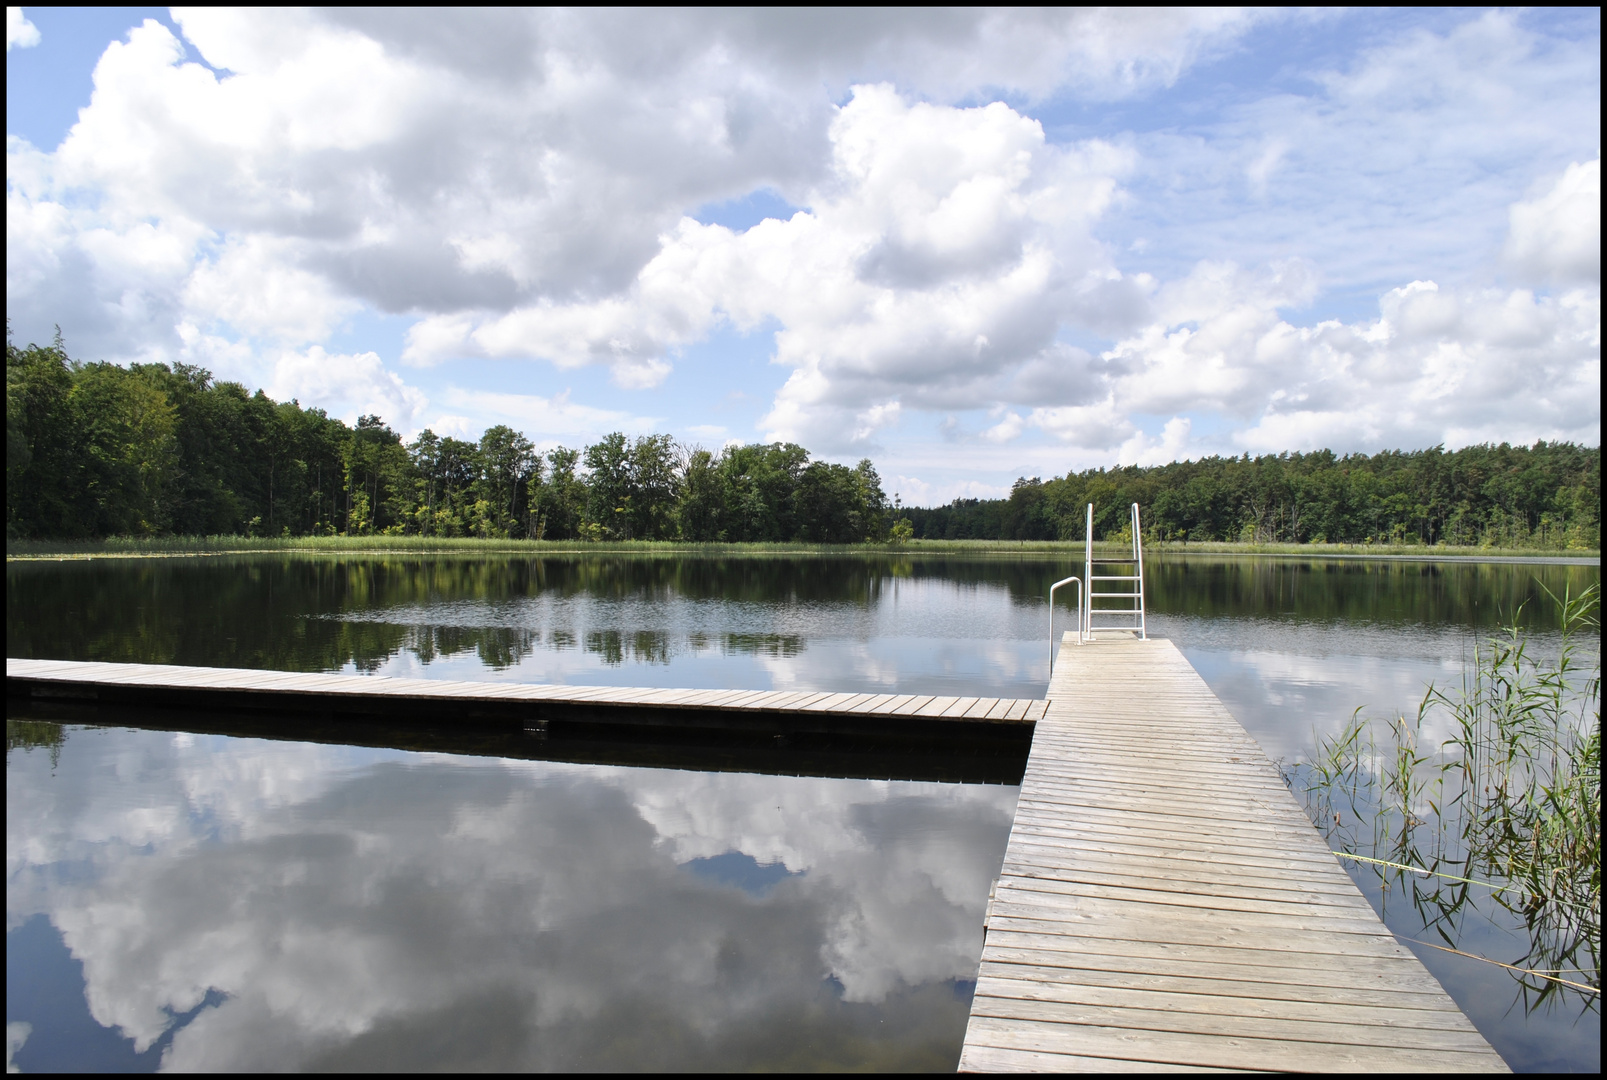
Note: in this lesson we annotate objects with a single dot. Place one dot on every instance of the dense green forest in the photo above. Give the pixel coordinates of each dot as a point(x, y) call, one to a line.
point(96, 449)
point(1544, 496)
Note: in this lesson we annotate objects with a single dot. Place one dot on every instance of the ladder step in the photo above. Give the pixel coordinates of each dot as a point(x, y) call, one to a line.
point(1114, 577)
point(1097, 595)
point(1126, 560)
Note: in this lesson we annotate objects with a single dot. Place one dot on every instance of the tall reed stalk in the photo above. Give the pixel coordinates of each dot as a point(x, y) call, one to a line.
point(1504, 815)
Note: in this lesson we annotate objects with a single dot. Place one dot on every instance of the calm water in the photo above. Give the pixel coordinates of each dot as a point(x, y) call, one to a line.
point(202, 901)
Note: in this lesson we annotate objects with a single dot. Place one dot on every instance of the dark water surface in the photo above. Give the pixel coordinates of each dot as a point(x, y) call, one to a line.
point(205, 901)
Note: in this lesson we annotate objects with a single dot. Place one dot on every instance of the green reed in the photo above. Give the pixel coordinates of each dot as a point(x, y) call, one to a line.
point(1504, 815)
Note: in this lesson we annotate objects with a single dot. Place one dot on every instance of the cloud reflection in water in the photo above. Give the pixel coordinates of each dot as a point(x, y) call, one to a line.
point(351, 908)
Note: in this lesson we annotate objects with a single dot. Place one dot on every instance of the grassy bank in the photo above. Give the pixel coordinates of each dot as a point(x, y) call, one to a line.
point(141, 547)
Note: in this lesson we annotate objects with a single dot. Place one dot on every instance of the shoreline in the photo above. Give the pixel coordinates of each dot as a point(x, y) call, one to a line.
point(213, 547)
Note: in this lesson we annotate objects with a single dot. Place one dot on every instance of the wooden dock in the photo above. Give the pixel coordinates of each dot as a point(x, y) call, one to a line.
point(288, 689)
point(1165, 904)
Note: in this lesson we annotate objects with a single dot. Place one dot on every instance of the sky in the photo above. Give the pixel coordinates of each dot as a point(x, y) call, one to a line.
point(971, 245)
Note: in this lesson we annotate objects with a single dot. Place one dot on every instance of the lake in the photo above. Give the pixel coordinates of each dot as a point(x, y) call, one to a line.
point(216, 901)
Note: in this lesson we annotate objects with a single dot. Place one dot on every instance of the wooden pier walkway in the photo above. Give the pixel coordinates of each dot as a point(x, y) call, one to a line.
point(287, 689)
point(1165, 904)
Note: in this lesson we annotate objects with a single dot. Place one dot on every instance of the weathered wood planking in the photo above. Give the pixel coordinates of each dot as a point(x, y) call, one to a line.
point(69, 675)
point(1165, 904)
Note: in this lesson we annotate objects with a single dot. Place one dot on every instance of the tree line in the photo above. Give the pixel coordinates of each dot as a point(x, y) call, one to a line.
point(97, 449)
point(1547, 495)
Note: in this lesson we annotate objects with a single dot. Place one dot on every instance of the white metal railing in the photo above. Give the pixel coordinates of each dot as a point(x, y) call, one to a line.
point(1052, 588)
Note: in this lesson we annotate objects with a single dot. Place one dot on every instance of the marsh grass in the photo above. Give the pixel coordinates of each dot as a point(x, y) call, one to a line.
point(1502, 819)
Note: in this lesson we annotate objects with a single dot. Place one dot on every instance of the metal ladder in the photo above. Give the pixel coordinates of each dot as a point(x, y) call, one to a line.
point(1126, 616)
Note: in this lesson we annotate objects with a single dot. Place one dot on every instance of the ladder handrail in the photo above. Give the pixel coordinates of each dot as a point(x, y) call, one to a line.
point(1086, 615)
point(1141, 628)
point(1138, 562)
point(1052, 588)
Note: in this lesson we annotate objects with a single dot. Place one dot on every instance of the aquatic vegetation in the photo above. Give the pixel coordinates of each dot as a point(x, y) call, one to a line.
point(1502, 819)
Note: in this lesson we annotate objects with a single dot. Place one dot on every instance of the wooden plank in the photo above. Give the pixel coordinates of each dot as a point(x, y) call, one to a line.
point(1274, 813)
point(1105, 839)
point(874, 703)
point(750, 699)
point(1090, 848)
point(1048, 833)
point(1207, 1001)
point(689, 699)
point(1061, 945)
point(1134, 891)
point(1132, 779)
point(772, 700)
point(1141, 811)
point(1146, 874)
point(909, 705)
point(1168, 916)
point(1215, 1050)
point(813, 699)
point(1233, 980)
point(998, 1059)
point(1374, 1036)
point(828, 703)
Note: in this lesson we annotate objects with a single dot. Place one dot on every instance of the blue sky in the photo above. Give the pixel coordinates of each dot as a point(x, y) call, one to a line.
point(971, 245)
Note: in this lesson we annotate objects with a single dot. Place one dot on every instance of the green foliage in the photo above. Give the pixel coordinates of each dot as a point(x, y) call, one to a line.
point(97, 450)
point(702, 499)
point(44, 483)
point(608, 502)
point(1547, 496)
point(759, 486)
point(507, 467)
point(560, 499)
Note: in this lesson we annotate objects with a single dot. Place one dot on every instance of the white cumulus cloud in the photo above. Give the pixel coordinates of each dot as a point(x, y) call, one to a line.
point(969, 236)
point(20, 33)
point(348, 385)
point(1557, 237)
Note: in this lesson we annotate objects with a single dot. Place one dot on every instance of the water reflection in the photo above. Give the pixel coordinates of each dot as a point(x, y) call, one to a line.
point(877, 623)
point(262, 905)
point(777, 922)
